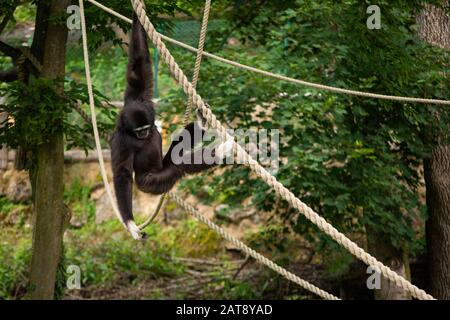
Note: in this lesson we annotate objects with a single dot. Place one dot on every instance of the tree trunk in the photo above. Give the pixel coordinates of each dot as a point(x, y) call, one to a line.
point(435, 29)
point(48, 160)
point(437, 180)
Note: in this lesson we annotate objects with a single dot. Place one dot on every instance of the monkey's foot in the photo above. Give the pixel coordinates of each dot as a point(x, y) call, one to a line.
point(135, 231)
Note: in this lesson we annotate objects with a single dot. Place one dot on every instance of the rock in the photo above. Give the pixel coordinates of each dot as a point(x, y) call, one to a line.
point(143, 205)
point(103, 208)
point(221, 210)
point(15, 185)
point(87, 173)
point(146, 204)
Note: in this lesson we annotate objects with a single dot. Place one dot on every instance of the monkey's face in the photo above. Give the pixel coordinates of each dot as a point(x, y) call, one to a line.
point(138, 122)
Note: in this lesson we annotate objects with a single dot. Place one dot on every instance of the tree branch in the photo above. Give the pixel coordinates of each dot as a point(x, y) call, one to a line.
point(9, 50)
point(4, 22)
point(9, 75)
point(8, 16)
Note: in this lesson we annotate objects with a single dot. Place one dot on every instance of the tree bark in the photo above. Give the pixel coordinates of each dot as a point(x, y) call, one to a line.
point(437, 180)
point(49, 160)
point(435, 29)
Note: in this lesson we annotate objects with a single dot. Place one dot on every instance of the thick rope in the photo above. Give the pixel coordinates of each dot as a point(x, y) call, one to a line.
point(281, 77)
point(94, 117)
point(263, 173)
point(187, 113)
point(27, 54)
point(249, 251)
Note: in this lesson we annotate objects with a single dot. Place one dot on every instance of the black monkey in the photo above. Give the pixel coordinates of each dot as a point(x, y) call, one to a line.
point(136, 144)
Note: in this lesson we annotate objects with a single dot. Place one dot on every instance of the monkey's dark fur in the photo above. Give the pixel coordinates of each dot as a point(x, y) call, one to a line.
point(142, 154)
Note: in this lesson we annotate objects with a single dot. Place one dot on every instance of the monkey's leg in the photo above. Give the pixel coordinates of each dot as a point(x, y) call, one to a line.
point(160, 181)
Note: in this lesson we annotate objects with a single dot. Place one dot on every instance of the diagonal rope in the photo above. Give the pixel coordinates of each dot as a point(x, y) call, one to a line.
point(249, 251)
point(93, 115)
point(281, 77)
point(281, 190)
point(187, 113)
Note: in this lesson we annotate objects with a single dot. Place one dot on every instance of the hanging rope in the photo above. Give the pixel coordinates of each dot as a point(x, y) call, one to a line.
point(198, 59)
point(187, 113)
point(263, 173)
point(94, 118)
point(281, 77)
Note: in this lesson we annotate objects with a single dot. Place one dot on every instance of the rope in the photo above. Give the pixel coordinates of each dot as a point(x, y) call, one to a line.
point(281, 77)
point(263, 173)
point(155, 214)
point(249, 251)
point(25, 54)
point(187, 113)
point(93, 115)
point(198, 59)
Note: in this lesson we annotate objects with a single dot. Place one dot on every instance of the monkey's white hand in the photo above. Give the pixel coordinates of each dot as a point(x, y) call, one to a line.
point(135, 231)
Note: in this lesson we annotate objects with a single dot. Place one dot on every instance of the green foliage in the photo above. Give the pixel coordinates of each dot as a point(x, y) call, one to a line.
point(14, 266)
point(354, 160)
point(10, 212)
point(77, 197)
point(236, 290)
point(116, 257)
point(99, 30)
point(24, 12)
point(37, 111)
point(193, 239)
point(61, 277)
point(108, 67)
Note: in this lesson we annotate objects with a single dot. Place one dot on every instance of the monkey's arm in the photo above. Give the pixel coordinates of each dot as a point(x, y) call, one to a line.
point(122, 167)
point(162, 179)
point(139, 70)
